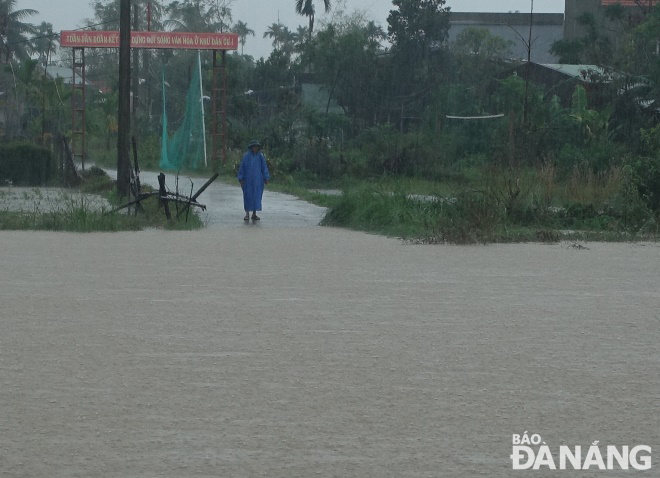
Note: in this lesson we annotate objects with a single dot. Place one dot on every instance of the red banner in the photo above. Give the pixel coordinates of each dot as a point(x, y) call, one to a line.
point(173, 40)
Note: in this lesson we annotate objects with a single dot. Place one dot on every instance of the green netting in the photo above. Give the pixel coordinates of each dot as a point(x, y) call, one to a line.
point(185, 148)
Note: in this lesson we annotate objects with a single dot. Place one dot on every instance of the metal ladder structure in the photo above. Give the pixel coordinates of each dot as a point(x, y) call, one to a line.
point(153, 40)
point(78, 85)
point(219, 137)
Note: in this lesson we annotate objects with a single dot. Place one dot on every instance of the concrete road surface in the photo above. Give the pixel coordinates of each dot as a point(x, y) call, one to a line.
point(225, 204)
point(304, 352)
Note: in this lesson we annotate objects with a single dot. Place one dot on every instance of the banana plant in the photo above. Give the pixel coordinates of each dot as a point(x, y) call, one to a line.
point(592, 124)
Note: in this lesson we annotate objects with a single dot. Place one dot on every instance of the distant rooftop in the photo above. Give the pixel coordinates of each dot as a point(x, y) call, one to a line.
point(587, 73)
point(62, 72)
point(512, 27)
point(477, 18)
point(629, 3)
point(316, 97)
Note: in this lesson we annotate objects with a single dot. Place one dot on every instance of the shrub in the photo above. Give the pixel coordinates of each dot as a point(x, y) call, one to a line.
point(472, 218)
point(631, 206)
point(598, 157)
point(25, 163)
point(93, 172)
point(314, 156)
point(383, 150)
point(149, 153)
point(94, 179)
point(645, 174)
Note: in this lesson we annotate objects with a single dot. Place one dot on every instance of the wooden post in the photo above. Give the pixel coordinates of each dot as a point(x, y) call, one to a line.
point(60, 157)
point(136, 167)
point(135, 73)
point(225, 134)
point(124, 113)
point(512, 139)
point(163, 196)
point(214, 110)
point(198, 193)
point(136, 187)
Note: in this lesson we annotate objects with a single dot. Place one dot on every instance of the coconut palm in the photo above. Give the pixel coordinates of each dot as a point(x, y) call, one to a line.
point(44, 43)
point(13, 31)
point(275, 32)
point(107, 14)
point(306, 9)
point(222, 10)
point(375, 34)
point(243, 31)
point(300, 36)
point(188, 17)
point(198, 16)
point(288, 42)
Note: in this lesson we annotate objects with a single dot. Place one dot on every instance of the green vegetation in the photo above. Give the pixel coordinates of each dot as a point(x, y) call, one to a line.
point(502, 210)
point(74, 215)
point(25, 163)
point(77, 211)
point(385, 113)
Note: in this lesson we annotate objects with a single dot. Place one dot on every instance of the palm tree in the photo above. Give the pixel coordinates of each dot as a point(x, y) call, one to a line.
point(288, 42)
point(243, 31)
point(13, 30)
point(222, 10)
point(188, 17)
point(300, 36)
point(44, 43)
point(106, 14)
point(275, 32)
point(375, 34)
point(306, 9)
point(194, 16)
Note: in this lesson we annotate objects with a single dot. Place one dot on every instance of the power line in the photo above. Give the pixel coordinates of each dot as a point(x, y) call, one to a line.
point(475, 117)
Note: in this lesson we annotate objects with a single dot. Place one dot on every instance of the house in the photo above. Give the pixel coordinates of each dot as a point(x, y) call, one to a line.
point(514, 27)
point(316, 97)
point(560, 80)
point(634, 11)
point(54, 72)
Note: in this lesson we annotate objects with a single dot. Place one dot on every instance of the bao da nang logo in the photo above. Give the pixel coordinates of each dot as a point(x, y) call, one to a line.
point(531, 452)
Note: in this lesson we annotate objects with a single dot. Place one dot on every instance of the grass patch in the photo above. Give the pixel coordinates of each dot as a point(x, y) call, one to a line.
point(376, 209)
point(74, 211)
point(479, 203)
point(464, 219)
point(77, 218)
point(526, 207)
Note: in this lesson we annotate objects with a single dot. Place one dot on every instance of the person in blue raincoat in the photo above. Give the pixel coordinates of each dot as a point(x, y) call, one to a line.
point(253, 175)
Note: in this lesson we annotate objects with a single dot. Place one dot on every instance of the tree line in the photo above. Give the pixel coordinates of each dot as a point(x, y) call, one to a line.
point(349, 97)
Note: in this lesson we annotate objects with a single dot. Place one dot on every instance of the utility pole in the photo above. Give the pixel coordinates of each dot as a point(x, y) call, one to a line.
point(145, 69)
point(124, 118)
point(528, 66)
point(135, 63)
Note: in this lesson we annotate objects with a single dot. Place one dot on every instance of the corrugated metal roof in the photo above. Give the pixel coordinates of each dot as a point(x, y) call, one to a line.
point(584, 72)
point(63, 72)
point(481, 18)
point(316, 97)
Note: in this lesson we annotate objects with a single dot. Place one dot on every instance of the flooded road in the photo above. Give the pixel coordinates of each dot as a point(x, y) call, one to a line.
point(224, 204)
point(280, 352)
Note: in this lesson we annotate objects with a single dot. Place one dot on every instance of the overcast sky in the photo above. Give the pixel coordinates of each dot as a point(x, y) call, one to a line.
point(258, 14)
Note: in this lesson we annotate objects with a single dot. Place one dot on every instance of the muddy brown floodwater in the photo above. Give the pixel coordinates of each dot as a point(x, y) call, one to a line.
point(302, 352)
